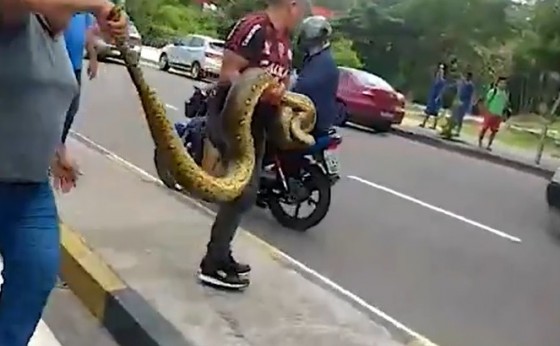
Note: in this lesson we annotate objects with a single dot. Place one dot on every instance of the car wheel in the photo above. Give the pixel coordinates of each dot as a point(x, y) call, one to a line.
point(382, 127)
point(196, 71)
point(554, 222)
point(341, 114)
point(163, 62)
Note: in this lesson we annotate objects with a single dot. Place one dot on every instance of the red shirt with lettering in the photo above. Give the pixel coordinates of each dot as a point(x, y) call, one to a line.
point(255, 38)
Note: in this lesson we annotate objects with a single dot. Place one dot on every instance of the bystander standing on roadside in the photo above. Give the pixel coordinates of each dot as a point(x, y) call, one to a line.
point(494, 110)
point(466, 98)
point(79, 34)
point(36, 88)
point(435, 100)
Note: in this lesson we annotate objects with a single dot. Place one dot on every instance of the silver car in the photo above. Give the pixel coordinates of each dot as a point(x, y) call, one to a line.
point(108, 50)
point(200, 55)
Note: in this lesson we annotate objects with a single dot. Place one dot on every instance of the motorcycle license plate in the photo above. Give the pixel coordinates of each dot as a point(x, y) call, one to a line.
point(331, 161)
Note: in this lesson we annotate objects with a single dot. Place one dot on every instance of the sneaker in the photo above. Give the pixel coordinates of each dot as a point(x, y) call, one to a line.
point(239, 268)
point(222, 278)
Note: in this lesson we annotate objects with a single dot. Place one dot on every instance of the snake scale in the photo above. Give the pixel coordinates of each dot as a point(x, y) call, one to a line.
point(291, 129)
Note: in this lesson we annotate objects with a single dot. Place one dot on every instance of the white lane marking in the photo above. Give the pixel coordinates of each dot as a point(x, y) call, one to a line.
point(172, 107)
point(353, 298)
point(437, 209)
point(42, 336)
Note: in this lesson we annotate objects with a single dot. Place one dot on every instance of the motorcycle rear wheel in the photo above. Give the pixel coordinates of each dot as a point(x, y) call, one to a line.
point(316, 181)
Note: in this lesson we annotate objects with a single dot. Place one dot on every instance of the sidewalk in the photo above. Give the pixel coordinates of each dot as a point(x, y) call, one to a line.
point(501, 154)
point(154, 240)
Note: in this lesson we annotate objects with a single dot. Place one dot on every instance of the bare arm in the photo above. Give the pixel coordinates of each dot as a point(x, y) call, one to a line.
point(232, 64)
point(243, 45)
point(91, 35)
point(57, 12)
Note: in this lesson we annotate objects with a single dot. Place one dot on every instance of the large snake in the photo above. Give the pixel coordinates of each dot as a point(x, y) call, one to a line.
point(291, 130)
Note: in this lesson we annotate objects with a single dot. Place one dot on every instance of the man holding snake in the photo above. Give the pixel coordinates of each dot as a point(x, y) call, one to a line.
point(260, 40)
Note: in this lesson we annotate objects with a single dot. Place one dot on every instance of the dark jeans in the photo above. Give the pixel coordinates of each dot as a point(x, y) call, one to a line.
point(230, 214)
point(73, 110)
point(459, 115)
point(29, 246)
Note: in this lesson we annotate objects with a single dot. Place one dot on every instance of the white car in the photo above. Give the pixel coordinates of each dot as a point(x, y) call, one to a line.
point(200, 55)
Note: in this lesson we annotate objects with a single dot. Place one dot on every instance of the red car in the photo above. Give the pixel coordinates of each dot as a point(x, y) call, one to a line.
point(368, 100)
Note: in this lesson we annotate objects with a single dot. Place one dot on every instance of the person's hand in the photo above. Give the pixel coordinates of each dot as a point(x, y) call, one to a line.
point(109, 24)
point(92, 68)
point(64, 170)
point(273, 95)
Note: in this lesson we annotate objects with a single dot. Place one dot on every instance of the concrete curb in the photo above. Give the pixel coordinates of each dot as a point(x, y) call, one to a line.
point(128, 317)
point(476, 153)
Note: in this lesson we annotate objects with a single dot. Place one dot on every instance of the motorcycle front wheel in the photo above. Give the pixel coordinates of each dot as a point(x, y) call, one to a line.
point(314, 180)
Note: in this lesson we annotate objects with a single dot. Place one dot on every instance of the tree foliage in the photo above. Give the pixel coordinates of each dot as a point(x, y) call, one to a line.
point(403, 40)
point(162, 20)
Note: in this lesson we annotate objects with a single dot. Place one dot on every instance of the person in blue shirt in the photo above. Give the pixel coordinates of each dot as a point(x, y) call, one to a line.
point(318, 76)
point(79, 34)
point(465, 93)
point(435, 98)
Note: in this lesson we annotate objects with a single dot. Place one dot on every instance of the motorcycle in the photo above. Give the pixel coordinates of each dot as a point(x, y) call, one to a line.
point(288, 178)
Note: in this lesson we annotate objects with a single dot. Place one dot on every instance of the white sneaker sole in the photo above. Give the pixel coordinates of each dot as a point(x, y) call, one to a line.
point(215, 282)
point(244, 275)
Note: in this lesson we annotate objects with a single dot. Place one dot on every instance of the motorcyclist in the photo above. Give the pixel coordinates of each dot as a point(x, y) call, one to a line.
point(318, 76)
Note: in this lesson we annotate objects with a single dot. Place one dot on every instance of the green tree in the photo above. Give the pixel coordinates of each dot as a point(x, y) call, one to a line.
point(344, 54)
point(404, 40)
point(161, 20)
point(233, 10)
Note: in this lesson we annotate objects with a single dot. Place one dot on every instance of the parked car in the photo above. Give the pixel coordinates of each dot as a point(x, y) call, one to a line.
point(553, 200)
point(368, 100)
point(109, 50)
point(200, 55)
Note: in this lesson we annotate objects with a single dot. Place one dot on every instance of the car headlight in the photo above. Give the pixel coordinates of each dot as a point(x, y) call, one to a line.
point(556, 176)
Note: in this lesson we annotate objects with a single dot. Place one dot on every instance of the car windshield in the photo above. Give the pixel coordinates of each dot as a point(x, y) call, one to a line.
point(217, 45)
point(371, 80)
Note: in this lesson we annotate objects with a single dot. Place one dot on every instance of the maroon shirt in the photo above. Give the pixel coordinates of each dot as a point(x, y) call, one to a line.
point(255, 38)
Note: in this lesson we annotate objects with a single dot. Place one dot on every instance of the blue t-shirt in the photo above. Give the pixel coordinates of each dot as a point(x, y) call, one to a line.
point(75, 37)
point(466, 92)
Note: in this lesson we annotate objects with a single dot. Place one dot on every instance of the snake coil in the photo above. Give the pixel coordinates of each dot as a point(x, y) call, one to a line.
point(291, 129)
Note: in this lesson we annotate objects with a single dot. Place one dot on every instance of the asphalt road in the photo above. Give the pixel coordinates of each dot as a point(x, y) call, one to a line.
point(426, 235)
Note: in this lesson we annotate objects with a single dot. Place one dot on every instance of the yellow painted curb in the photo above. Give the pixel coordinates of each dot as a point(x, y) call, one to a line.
point(125, 314)
point(86, 274)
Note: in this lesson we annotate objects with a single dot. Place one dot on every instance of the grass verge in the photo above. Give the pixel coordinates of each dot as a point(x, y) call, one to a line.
point(508, 136)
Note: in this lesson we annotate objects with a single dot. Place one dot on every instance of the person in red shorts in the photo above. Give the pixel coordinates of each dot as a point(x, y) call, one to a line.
point(494, 110)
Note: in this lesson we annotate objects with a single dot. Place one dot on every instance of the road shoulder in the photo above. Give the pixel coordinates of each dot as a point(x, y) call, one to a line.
point(545, 170)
